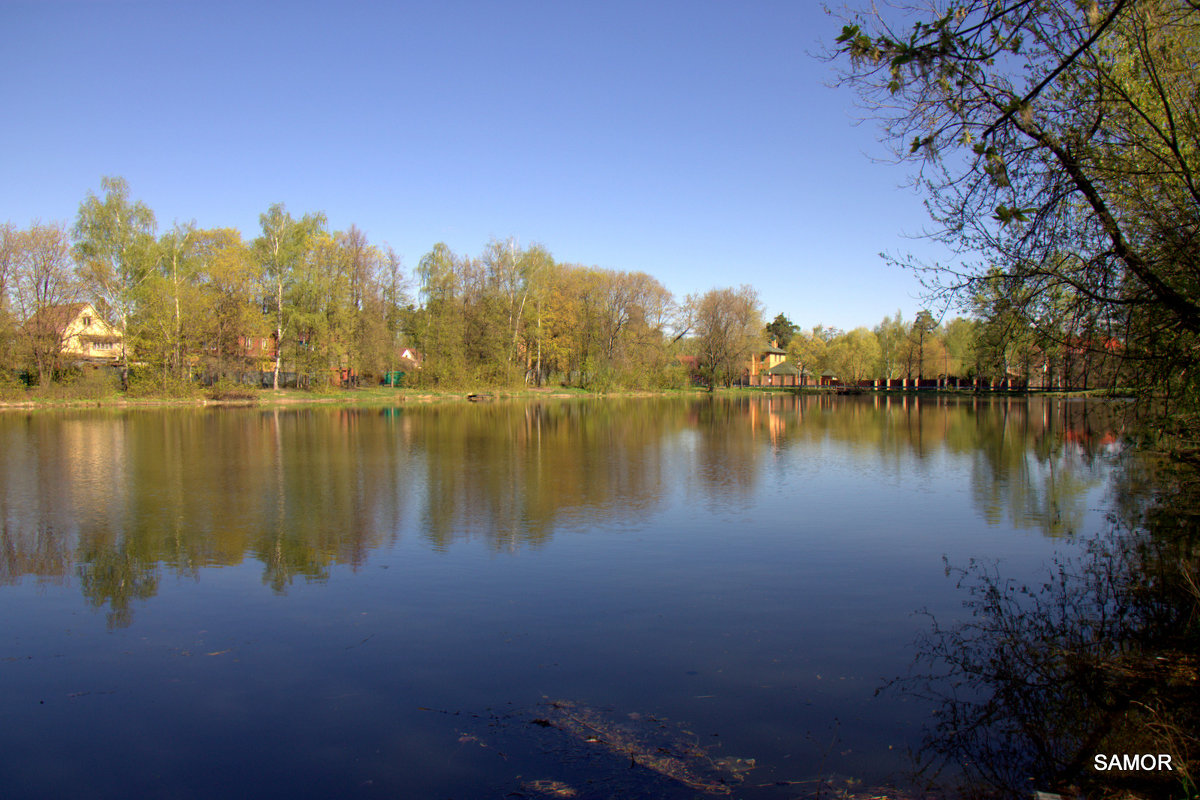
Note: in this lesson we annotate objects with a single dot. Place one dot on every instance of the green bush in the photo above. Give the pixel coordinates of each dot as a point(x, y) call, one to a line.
point(79, 383)
point(153, 383)
point(230, 390)
point(11, 387)
point(674, 376)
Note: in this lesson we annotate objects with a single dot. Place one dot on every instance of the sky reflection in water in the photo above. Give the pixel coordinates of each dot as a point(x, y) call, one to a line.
point(380, 601)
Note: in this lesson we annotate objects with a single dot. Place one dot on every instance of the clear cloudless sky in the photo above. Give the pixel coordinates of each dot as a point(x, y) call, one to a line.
point(697, 141)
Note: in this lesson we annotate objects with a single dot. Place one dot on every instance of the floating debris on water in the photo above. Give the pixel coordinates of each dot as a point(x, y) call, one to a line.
point(567, 749)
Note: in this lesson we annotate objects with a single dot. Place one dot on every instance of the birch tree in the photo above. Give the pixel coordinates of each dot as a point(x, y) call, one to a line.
point(114, 245)
point(170, 309)
point(280, 251)
point(231, 297)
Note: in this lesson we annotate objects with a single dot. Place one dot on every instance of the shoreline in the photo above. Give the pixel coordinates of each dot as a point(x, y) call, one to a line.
point(270, 398)
point(379, 396)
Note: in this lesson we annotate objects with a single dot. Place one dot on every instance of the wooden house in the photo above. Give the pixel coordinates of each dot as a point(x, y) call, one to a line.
point(82, 335)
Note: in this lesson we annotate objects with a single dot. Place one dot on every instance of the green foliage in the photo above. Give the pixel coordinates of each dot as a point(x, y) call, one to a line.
point(11, 387)
point(152, 382)
point(513, 316)
point(284, 258)
point(116, 252)
point(1060, 142)
point(855, 356)
point(671, 376)
point(891, 334)
point(959, 338)
point(781, 329)
point(300, 299)
point(920, 339)
point(809, 351)
point(75, 384)
point(226, 390)
point(229, 311)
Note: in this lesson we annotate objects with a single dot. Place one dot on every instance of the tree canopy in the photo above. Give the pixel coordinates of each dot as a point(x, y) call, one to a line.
point(302, 304)
point(728, 332)
point(114, 245)
point(1057, 144)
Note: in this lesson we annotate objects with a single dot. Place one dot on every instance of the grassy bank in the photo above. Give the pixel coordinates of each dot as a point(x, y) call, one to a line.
point(72, 396)
point(96, 394)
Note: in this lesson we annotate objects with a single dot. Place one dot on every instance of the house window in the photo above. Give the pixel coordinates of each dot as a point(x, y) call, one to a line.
point(87, 321)
point(102, 345)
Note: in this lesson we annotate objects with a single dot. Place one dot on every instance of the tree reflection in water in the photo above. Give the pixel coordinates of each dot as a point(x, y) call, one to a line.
point(1099, 659)
point(305, 490)
point(130, 502)
point(115, 576)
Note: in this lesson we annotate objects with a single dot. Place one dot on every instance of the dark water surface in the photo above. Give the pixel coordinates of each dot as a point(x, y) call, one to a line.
point(611, 598)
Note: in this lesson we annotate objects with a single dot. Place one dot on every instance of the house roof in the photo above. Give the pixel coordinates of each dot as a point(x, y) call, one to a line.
point(772, 349)
point(56, 318)
point(783, 369)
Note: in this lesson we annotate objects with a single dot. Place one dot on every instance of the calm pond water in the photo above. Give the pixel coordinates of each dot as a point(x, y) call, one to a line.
point(615, 598)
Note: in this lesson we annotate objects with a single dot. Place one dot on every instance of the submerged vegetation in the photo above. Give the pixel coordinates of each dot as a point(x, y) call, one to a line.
point(1046, 684)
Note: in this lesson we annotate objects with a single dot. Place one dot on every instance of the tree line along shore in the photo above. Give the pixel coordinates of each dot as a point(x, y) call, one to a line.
point(183, 310)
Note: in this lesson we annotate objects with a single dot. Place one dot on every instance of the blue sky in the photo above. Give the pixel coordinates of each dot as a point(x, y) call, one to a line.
point(696, 141)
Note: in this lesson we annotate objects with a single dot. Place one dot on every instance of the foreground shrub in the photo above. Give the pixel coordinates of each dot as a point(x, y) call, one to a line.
point(11, 387)
point(231, 390)
point(154, 384)
point(79, 383)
